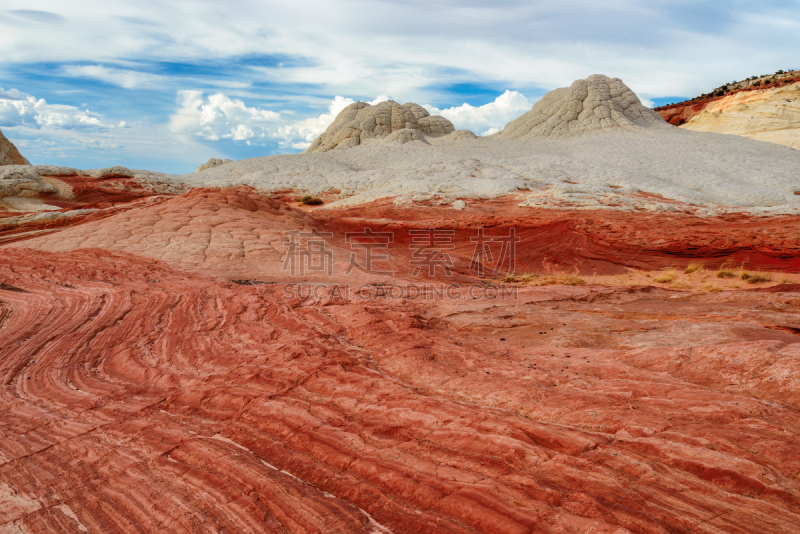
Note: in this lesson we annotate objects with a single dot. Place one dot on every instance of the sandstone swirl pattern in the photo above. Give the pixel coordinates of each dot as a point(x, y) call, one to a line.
point(161, 396)
point(136, 397)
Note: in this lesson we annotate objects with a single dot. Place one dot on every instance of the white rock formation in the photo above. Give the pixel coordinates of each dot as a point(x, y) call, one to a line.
point(23, 187)
point(360, 122)
point(630, 165)
point(212, 162)
point(596, 103)
point(21, 181)
point(700, 172)
point(9, 155)
point(109, 172)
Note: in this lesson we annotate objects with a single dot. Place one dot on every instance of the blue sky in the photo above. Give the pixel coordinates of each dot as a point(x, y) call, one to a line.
point(165, 86)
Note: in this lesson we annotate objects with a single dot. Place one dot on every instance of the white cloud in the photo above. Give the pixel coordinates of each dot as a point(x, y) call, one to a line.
point(647, 102)
point(488, 118)
point(120, 77)
point(300, 134)
point(18, 109)
point(220, 117)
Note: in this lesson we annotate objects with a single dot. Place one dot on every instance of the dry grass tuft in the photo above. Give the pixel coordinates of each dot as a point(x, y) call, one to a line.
point(725, 271)
point(519, 278)
point(561, 280)
point(693, 268)
point(665, 278)
point(712, 288)
point(758, 278)
point(546, 280)
point(681, 285)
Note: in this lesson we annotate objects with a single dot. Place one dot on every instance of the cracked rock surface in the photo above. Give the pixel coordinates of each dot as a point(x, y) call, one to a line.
point(586, 106)
point(360, 122)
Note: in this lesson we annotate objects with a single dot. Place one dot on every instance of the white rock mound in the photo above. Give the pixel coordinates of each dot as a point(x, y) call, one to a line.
point(596, 103)
point(116, 171)
point(213, 162)
point(360, 122)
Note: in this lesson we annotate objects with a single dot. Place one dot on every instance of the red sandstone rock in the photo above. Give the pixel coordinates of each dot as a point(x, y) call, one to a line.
point(238, 233)
point(140, 390)
point(137, 397)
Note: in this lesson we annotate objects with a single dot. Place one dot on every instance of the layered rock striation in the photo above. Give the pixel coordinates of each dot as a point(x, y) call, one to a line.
point(764, 109)
point(139, 397)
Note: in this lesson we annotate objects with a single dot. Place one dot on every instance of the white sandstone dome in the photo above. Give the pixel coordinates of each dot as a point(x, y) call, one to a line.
point(360, 122)
point(596, 103)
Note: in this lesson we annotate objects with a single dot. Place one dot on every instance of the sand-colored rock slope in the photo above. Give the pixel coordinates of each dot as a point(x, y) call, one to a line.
point(771, 115)
point(360, 123)
point(765, 108)
point(9, 155)
point(596, 103)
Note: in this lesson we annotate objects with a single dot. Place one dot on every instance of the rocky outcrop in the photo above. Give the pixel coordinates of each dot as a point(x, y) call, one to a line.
point(116, 171)
point(682, 112)
point(771, 115)
point(361, 122)
point(39, 199)
point(22, 182)
point(212, 162)
point(596, 103)
point(9, 155)
point(765, 108)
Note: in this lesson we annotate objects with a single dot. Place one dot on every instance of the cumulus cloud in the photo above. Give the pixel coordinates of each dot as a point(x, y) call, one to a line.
point(300, 134)
point(21, 109)
point(221, 117)
point(488, 118)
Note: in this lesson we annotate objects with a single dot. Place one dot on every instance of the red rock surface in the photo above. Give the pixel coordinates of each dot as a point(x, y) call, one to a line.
point(594, 242)
point(80, 199)
point(151, 394)
point(239, 233)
